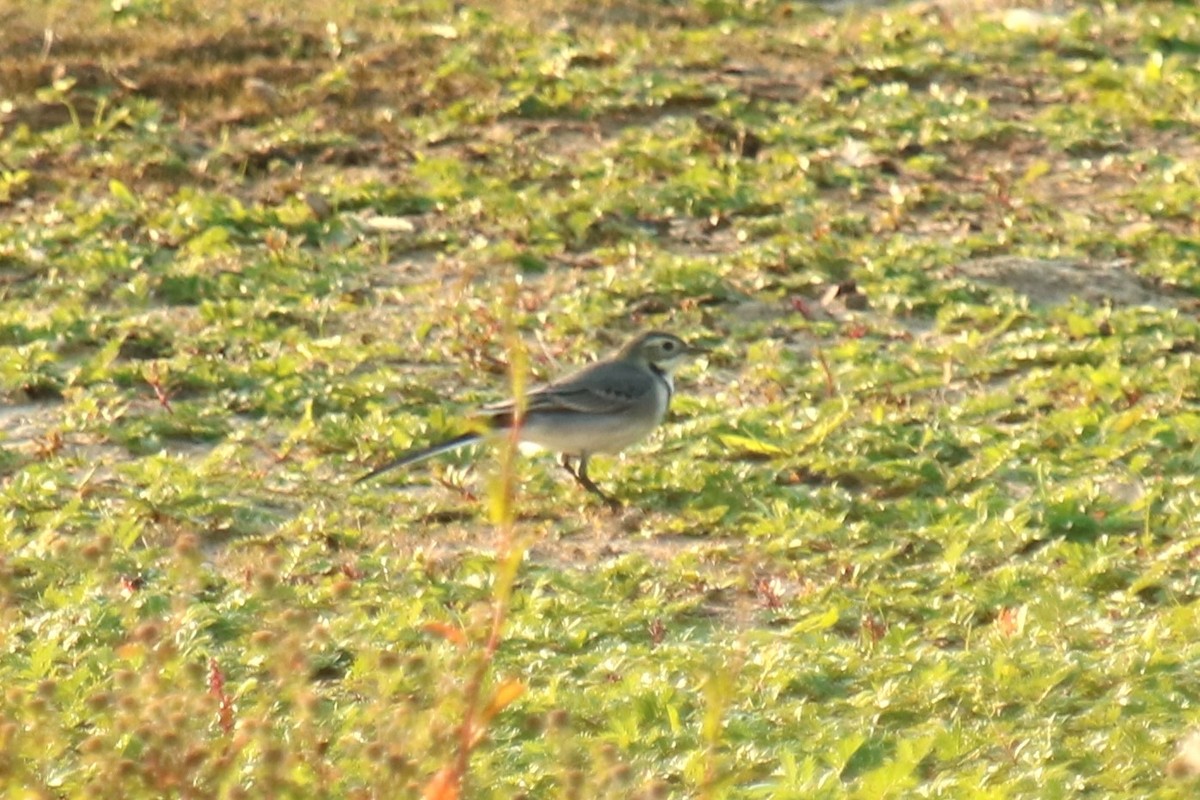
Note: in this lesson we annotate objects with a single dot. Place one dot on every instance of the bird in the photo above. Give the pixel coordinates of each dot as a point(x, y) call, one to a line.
point(601, 408)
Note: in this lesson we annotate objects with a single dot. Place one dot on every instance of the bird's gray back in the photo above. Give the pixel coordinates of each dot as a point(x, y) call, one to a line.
point(607, 387)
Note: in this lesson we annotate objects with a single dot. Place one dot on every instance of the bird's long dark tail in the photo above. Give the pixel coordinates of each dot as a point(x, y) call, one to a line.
point(420, 454)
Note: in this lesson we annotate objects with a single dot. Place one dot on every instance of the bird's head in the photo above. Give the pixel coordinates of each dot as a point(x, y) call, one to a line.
point(662, 350)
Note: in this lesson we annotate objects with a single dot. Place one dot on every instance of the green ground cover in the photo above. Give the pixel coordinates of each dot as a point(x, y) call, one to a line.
point(925, 524)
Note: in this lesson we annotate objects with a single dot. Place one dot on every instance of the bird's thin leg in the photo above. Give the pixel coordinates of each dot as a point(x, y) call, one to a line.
point(566, 462)
point(587, 483)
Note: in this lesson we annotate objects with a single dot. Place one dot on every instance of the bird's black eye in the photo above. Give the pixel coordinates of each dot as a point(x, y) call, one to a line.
point(668, 345)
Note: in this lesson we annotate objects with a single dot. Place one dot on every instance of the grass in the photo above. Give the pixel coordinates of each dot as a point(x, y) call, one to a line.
point(925, 524)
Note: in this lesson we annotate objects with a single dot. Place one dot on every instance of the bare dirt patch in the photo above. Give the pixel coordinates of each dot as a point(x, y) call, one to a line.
point(22, 423)
point(1055, 281)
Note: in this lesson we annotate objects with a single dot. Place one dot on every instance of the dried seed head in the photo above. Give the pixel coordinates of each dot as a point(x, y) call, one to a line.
point(100, 701)
point(147, 632)
point(187, 546)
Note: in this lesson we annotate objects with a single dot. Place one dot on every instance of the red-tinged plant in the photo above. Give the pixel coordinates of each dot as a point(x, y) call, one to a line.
point(830, 385)
point(216, 688)
point(160, 391)
point(449, 781)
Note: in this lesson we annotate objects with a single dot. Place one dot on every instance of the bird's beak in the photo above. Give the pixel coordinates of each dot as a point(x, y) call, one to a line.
point(696, 350)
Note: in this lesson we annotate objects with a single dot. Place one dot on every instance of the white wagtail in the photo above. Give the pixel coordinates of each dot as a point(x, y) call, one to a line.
point(602, 408)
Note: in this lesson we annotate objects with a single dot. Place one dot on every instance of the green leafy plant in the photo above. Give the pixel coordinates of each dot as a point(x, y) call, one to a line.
point(924, 523)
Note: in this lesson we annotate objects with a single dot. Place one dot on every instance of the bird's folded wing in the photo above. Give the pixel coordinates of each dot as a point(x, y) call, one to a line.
point(585, 399)
point(615, 390)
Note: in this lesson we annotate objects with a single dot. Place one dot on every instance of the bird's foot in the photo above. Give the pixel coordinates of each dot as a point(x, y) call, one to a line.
point(579, 473)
